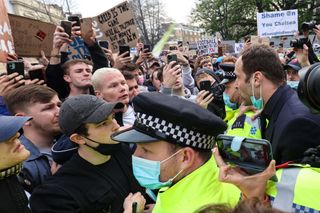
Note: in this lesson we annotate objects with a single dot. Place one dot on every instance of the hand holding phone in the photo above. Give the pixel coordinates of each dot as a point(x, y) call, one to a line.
point(36, 74)
point(123, 49)
point(15, 66)
point(251, 155)
point(172, 57)
point(76, 19)
point(104, 44)
point(67, 26)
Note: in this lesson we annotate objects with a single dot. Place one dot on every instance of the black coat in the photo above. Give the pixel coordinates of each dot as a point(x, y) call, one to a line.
point(79, 186)
point(292, 127)
point(12, 196)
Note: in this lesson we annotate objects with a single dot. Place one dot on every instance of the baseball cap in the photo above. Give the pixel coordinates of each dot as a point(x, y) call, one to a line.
point(294, 64)
point(82, 109)
point(10, 125)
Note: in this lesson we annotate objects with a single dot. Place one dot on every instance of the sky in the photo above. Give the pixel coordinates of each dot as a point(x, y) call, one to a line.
point(178, 10)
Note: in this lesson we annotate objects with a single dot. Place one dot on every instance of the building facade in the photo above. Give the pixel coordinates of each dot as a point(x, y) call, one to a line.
point(34, 9)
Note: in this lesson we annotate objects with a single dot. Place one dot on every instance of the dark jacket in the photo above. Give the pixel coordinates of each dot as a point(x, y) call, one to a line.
point(12, 197)
point(36, 168)
point(79, 186)
point(292, 128)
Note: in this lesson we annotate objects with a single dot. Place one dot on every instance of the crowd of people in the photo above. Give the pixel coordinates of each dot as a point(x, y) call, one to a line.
point(136, 133)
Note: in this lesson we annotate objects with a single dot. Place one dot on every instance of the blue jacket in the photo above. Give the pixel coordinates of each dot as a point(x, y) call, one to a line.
point(3, 108)
point(292, 128)
point(36, 168)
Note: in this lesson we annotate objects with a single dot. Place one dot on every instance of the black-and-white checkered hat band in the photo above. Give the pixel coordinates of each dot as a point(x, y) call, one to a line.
point(181, 135)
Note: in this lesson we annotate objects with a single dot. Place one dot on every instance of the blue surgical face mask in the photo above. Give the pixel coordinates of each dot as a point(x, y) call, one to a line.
point(227, 101)
point(147, 172)
point(293, 84)
point(257, 103)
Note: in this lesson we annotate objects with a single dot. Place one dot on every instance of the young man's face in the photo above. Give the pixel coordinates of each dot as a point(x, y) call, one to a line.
point(292, 75)
point(207, 65)
point(12, 152)
point(102, 131)
point(155, 81)
point(114, 88)
point(243, 86)
point(45, 116)
point(79, 75)
point(133, 88)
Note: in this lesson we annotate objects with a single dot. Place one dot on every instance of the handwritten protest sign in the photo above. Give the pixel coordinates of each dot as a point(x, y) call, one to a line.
point(6, 41)
point(207, 46)
point(277, 23)
point(77, 49)
point(31, 36)
point(116, 25)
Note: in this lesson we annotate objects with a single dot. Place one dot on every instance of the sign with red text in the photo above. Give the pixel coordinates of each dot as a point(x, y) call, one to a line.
point(6, 40)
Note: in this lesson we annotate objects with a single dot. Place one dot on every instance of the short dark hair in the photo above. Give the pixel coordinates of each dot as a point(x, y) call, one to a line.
point(82, 130)
point(160, 74)
point(23, 97)
point(130, 67)
point(66, 66)
point(128, 75)
point(263, 58)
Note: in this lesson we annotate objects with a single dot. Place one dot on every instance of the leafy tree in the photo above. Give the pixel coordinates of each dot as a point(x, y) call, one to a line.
point(235, 19)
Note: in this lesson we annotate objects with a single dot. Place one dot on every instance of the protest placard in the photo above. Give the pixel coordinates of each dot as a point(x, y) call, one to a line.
point(31, 36)
point(238, 47)
point(77, 49)
point(116, 25)
point(277, 23)
point(207, 46)
point(6, 40)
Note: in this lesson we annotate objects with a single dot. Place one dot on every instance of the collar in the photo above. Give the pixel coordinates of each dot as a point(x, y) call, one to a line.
point(10, 171)
point(35, 152)
point(276, 101)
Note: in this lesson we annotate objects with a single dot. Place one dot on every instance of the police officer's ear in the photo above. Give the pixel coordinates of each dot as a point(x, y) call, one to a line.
point(77, 139)
point(189, 158)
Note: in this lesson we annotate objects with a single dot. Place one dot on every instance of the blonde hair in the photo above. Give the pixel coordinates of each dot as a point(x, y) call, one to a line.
point(98, 75)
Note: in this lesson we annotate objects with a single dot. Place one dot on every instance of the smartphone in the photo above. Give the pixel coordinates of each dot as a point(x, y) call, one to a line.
point(73, 18)
point(15, 66)
point(205, 85)
point(104, 44)
point(123, 49)
point(36, 74)
point(251, 155)
point(66, 25)
point(147, 46)
point(180, 43)
point(172, 57)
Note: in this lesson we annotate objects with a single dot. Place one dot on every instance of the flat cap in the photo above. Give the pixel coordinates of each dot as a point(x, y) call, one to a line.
point(172, 119)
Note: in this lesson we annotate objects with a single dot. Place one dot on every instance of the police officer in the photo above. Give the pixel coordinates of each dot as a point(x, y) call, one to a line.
point(238, 125)
point(174, 138)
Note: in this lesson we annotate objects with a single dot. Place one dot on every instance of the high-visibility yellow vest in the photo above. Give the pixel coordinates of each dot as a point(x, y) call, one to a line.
point(244, 126)
point(230, 113)
point(199, 188)
point(297, 190)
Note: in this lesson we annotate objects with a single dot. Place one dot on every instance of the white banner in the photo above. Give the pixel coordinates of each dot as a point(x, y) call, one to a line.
point(277, 23)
